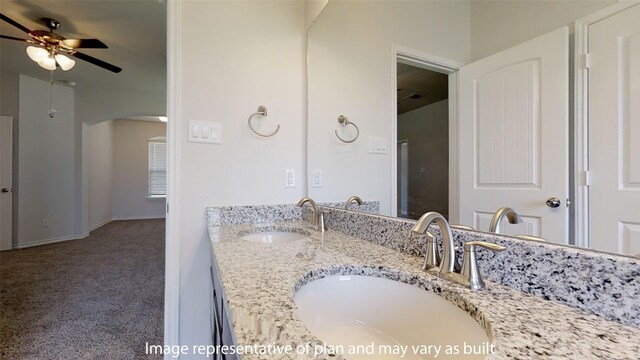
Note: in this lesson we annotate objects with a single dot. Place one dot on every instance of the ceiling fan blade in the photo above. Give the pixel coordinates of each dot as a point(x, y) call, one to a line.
point(85, 43)
point(12, 38)
point(97, 62)
point(14, 23)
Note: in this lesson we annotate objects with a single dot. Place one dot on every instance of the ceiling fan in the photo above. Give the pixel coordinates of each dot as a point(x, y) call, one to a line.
point(51, 50)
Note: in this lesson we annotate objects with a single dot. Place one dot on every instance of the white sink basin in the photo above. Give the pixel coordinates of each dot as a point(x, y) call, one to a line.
point(273, 236)
point(361, 310)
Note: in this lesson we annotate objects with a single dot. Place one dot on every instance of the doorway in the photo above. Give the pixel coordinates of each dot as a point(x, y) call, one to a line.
point(6, 180)
point(422, 134)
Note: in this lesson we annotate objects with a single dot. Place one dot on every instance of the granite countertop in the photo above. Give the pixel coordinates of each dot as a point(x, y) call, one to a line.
point(260, 280)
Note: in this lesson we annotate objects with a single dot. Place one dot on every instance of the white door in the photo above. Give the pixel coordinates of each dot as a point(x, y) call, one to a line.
point(513, 111)
point(614, 133)
point(6, 154)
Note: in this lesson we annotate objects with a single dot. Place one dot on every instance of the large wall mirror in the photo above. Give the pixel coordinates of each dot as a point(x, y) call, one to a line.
point(433, 106)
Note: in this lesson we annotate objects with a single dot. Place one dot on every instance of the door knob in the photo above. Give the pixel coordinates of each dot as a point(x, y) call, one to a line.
point(5, 190)
point(553, 202)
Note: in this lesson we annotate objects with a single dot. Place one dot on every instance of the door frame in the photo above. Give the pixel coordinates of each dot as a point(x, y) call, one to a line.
point(174, 134)
point(7, 122)
point(581, 117)
point(400, 142)
point(421, 59)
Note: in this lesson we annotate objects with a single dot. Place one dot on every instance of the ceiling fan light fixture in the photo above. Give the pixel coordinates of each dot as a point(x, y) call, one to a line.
point(65, 62)
point(37, 53)
point(48, 63)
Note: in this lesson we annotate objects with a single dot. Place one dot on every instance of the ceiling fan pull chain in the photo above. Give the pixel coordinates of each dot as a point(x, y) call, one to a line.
point(52, 111)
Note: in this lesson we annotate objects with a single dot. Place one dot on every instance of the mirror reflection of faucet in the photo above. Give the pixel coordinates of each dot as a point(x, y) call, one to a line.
point(529, 237)
point(352, 199)
point(462, 227)
point(445, 266)
point(511, 215)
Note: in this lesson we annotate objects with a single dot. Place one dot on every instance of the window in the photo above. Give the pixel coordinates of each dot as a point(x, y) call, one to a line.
point(157, 167)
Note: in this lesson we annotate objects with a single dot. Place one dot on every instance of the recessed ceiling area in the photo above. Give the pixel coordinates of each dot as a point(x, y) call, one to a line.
point(419, 87)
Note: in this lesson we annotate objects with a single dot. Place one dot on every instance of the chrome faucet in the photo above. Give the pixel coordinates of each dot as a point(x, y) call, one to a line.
point(448, 249)
point(503, 212)
point(352, 199)
point(317, 216)
point(447, 267)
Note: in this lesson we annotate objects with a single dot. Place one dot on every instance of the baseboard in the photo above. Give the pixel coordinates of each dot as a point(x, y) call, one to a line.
point(137, 217)
point(82, 236)
point(105, 222)
point(51, 241)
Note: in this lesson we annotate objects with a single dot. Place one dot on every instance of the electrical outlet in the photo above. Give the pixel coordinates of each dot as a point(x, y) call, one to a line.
point(45, 223)
point(290, 178)
point(316, 178)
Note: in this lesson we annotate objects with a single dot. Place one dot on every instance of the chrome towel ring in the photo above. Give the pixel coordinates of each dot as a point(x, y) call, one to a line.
point(262, 111)
point(344, 121)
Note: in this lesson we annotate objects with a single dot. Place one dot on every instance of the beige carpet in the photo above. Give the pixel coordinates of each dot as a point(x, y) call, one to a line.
point(96, 298)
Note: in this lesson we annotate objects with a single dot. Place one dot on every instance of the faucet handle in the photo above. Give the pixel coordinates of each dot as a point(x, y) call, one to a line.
point(470, 265)
point(432, 255)
point(470, 246)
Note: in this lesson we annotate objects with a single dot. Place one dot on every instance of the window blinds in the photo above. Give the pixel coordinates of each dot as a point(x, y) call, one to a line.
point(157, 167)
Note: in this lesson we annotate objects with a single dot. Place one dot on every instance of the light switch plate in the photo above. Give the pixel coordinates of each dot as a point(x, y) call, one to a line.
point(202, 131)
point(377, 145)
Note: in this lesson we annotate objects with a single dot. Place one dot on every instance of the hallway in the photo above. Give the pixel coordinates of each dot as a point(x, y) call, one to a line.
point(99, 297)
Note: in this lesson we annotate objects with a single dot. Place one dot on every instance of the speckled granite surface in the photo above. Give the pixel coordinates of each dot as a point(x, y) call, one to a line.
point(370, 207)
point(260, 280)
point(252, 214)
point(602, 284)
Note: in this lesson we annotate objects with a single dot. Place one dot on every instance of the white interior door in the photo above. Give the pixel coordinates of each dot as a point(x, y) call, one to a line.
point(6, 159)
point(513, 122)
point(614, 133)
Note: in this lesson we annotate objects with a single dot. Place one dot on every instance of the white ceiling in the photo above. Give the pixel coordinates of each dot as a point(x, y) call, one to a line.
point(134, 31)
point(429, 86)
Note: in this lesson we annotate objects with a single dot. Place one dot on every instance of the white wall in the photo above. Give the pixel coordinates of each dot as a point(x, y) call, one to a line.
point(97, 105)
point(95, 173)
point(47, 164)
point(427, 129)
point(498, 25)
point(101, 170)
point(130, 170)
point(9, 91)
point(259, 60)
point(350, 73)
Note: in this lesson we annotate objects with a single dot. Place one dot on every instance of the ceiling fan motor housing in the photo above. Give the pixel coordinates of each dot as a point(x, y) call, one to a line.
point(52, 24)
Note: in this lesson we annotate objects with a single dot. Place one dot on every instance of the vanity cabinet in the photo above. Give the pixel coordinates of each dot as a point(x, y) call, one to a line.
point(221, 328)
